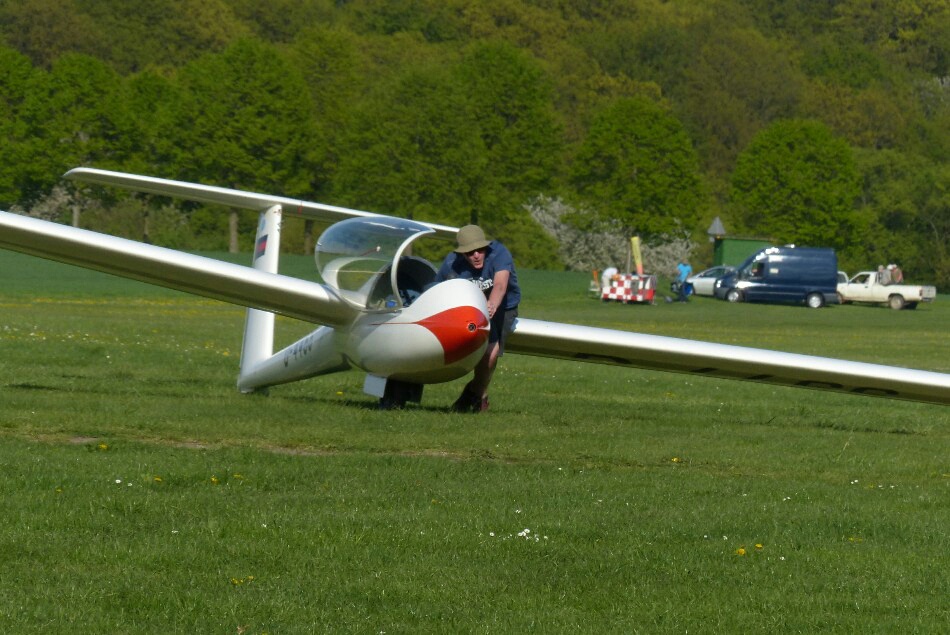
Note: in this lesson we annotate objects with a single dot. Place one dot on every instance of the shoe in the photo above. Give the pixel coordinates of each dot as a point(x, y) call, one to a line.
point(470, 402)
point(466, 402)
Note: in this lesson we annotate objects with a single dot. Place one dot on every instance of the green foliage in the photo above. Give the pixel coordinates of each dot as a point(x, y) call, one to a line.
point(414, 151)
point(510, 100)
point(914, 32)
point(752, 81)
point(331, 63)
point(138, 34)
point(867, 118)
point(44, 30)
point(217, 91)
point(73, 115)
point(846, 63)
point(282, 20)
point(907, 197)
point(16, 76)
point(155, 104)
point(637, 165)
point(434, 20)
point(798, 183)
point(464, 144)
point(249, 120)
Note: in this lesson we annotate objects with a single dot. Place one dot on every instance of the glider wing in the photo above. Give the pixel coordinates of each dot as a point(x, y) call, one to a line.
point(202, 276)
point(655, 352)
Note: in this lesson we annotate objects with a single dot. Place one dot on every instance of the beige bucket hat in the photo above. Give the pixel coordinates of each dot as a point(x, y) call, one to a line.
point(470, 238)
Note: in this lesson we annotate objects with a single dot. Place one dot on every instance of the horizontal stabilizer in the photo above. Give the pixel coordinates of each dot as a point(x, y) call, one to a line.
point(228, 197)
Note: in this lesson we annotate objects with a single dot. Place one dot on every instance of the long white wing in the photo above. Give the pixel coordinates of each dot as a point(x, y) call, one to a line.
point(622, 348)
point(231, 198)
point(206, 277)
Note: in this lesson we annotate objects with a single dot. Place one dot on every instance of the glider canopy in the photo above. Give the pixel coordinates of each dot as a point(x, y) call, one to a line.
point(368, 262)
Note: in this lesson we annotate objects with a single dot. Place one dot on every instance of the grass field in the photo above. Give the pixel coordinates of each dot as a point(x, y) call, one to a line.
point(142, 494)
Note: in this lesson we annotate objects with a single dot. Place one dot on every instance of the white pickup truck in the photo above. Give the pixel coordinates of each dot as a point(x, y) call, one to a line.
point(866, 287)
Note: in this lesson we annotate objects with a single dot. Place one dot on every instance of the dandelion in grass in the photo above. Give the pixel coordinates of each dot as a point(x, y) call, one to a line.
point(157, 479)
point(759, 546)
point(741, 551)
point(102, 447)
point(215, 480)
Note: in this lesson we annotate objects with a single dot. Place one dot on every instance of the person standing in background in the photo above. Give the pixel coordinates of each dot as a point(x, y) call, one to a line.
point(684, 270)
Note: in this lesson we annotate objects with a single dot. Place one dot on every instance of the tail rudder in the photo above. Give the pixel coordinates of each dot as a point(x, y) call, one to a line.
point(259, 326)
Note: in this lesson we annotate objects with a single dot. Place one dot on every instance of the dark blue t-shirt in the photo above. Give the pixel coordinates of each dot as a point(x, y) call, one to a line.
point(497, 258)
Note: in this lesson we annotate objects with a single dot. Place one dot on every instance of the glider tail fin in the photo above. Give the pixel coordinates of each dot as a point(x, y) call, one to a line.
point(259, 327)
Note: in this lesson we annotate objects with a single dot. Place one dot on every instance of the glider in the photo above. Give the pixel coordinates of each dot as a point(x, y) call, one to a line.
point(380, 310)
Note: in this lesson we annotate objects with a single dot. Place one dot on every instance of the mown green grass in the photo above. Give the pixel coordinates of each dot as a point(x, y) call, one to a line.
point(142, 493)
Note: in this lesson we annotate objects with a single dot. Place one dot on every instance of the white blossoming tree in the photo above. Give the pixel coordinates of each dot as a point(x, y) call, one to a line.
point(605, 243)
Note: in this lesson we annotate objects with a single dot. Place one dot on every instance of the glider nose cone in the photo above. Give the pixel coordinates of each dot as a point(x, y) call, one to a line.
point(461, 331)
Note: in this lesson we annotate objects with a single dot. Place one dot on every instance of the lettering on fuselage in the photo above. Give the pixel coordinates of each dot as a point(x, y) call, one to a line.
point(299, 350)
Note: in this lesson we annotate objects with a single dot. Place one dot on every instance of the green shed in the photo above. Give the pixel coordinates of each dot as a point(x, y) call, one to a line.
point(732, 251)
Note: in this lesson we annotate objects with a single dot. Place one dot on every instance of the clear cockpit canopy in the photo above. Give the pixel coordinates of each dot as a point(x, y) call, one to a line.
point(368, 261)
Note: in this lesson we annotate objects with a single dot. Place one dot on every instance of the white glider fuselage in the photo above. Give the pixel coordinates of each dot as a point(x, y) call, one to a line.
point(438, 338)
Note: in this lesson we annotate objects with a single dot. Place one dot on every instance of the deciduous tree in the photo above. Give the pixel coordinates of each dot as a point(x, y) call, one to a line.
point(247, 123)
point(638, 165)
point(797, 182)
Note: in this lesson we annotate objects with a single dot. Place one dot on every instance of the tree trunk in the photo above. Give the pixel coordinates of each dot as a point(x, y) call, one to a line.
point(233, 232)
point(308, 236)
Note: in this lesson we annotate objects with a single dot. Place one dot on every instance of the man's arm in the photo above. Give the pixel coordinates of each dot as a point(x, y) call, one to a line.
point(498, 291)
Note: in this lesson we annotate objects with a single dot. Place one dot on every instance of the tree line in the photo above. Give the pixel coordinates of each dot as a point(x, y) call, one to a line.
point(810, 123)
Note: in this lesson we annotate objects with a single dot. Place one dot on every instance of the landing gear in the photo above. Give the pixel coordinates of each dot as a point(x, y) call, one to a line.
point(395, 393)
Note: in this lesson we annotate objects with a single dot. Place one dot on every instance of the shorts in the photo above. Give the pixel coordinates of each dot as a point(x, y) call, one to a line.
point(502, 324)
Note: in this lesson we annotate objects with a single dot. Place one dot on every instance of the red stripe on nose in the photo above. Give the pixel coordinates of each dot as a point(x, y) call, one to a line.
point(460, 331)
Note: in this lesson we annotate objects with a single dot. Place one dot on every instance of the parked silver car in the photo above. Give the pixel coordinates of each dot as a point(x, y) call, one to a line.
point(705, 281)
